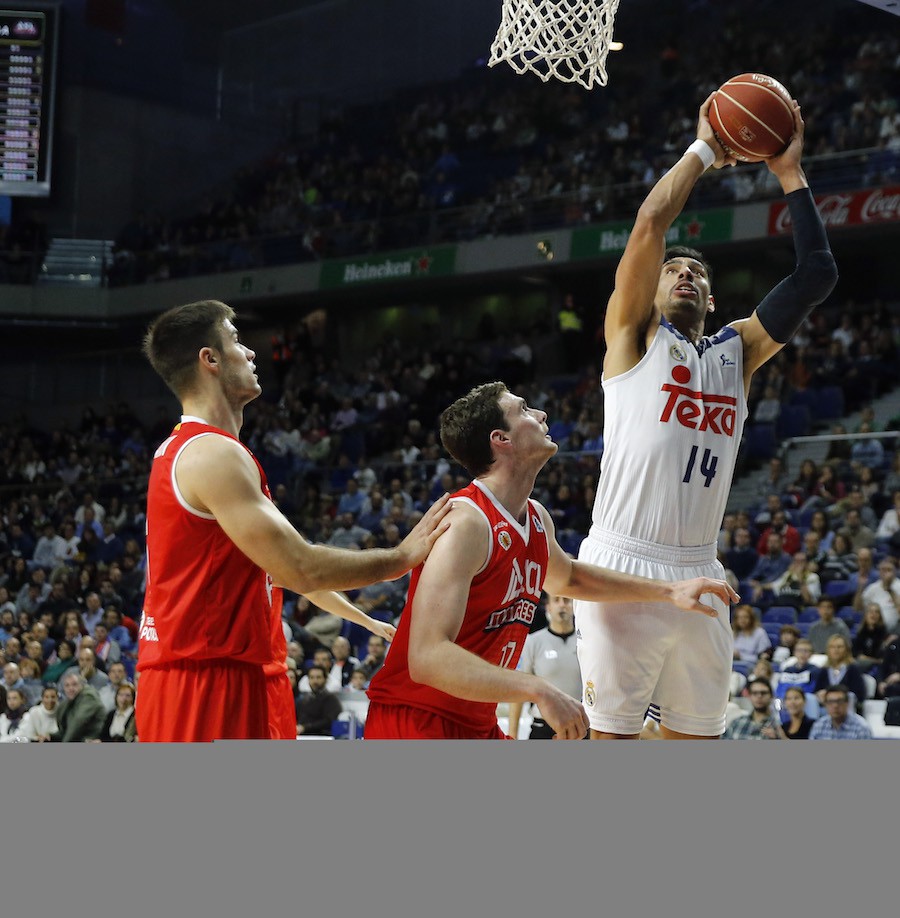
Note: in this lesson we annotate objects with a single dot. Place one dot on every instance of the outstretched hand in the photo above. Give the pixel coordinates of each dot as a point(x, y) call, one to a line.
point(706, 133)
point(418, 543)
point(383, 630)
point(686, 594)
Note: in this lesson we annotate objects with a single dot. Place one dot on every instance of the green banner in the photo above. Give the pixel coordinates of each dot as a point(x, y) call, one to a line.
point(409, 265)
point(691, 229)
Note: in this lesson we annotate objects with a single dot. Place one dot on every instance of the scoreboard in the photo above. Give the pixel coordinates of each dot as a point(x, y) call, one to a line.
point(28, 46)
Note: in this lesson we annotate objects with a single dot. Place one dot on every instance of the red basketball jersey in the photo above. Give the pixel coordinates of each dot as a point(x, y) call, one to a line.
point(205, 598)
point(502, 601)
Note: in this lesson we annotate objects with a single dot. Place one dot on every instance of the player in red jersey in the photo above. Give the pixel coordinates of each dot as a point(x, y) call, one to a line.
point(471, 602)
point(219, 550)
point(282, 714)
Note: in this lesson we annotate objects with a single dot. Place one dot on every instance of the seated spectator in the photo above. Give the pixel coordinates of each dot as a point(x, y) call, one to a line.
point(887, 535)
point(119, 725)
point(64, 659)
point(358, 681)
point(857, 533)
point(43, 716)
point(750, 639)
point(868, 452)
point(15, 720)
point(870, 639)
point(374, 659)
point(741, 558)
point(815, 554)
point(886, 593)
point(117, 676)
point(788, 635)
point(840, 561)
point(106, 650)
point(347, 534)
point(803, 485)
point(769, 568)
point(888, 677)
point(31, 678)
point(820, 524)
point(799, 670)
point(322, 657)
point(840, 722)
point(768, 408)
point(827, 626)
point(790, 535)
point(840, 670)
point(87, 664)
point(343, 665)
point(318, 709)
point(798, 586)
point(81, 714)
point(761, 722)
point(798, 723)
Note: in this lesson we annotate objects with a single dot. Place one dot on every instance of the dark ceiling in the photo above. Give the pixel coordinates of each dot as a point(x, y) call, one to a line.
point(222, 15)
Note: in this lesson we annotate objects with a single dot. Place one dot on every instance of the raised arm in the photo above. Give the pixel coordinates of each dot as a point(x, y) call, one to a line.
point(437, 615)
point(782, 311)
point(216, 475)
point(631, 310)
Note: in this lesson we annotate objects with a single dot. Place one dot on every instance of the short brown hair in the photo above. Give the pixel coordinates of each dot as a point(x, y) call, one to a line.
point(467, 424)
point(174, 339)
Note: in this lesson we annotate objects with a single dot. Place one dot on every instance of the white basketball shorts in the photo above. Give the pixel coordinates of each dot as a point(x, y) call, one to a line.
point(636, 657)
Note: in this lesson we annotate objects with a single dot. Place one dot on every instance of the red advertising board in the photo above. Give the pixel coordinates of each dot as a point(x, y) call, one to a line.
point(851, 208)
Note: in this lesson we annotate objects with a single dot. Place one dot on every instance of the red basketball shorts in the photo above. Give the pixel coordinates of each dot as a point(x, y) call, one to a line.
point(282, 713)
point(201, 701)
point(389, 721)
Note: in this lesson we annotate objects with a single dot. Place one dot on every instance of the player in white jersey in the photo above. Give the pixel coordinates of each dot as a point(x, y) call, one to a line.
point(675, 406)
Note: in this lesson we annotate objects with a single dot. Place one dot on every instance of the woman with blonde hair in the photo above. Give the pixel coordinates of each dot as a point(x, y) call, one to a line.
point(750, 638)
point(840, 668)
point(869, 640)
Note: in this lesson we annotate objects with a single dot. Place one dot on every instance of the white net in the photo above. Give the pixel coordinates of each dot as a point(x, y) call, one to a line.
point(565, 39)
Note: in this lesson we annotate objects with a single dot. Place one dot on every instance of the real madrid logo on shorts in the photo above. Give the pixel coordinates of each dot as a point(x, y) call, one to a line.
point(505, 540)
point(590, 696)
point(676, 351)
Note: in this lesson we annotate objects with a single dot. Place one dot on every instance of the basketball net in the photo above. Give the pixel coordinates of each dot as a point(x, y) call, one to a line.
point(565, 39)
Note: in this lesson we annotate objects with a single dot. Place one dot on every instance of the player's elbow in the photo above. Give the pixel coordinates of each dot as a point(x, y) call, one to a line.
point(421, 662)
point(816, 277)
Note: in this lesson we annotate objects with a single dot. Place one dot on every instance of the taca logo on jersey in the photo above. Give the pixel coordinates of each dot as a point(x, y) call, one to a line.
point(697, 410)
point(505, 540)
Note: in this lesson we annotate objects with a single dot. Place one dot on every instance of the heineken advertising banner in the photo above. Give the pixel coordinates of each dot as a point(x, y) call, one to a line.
point(689, 229)
point(409, 265)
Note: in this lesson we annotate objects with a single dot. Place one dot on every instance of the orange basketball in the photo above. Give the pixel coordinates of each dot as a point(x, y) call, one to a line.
point(752, 116)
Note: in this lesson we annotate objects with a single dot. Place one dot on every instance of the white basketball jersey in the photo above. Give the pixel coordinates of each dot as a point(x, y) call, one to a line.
point(672, 429)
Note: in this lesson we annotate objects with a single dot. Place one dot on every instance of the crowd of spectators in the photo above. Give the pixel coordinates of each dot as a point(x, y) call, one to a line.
point(495, 153)
point(353, 457)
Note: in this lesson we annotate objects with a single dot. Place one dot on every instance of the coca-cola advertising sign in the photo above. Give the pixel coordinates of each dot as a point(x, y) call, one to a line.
point(851, 208)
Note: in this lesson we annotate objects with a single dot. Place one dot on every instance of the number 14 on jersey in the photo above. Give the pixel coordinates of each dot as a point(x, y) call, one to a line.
point(707, 470)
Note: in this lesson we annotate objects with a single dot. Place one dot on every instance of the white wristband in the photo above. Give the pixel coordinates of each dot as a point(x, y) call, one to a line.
point(704, 151)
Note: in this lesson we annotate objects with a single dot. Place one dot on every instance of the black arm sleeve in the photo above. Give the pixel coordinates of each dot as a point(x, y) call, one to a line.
point(784, 308)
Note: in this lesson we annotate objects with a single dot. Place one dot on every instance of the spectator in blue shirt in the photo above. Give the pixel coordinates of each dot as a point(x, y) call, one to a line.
point(840, 722)
point(769, 568)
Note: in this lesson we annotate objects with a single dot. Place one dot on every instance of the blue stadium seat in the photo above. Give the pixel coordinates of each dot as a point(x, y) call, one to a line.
point(803, 628)
point(810, 614)
point(760, 441)
point(773, 629)
point(829, 404)
point(794, 421)
point(838, 589)
point(850, 616)
point(779, 615)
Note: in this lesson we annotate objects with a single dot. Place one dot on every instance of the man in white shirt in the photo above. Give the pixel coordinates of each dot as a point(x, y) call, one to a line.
point(886, 592)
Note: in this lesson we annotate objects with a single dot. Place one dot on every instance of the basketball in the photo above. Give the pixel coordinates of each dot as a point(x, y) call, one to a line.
point(752, 117)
